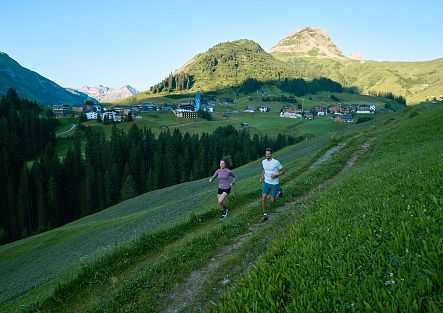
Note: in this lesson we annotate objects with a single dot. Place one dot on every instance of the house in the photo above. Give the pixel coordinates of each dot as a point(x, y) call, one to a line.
point(226, 100)
point(91, 115)
point(208, 108)
point(147, 107)
point(308, 116)
point(365, 109)
point(186, 114)
point(61, 110)
point(186, 107)
point(344, 118)
point(119, 117)
point(290, 113)
point(249, 109)
point(263, 108)
point(124, 109)
point(109, 115)
point(334, 109)
point(78, 108)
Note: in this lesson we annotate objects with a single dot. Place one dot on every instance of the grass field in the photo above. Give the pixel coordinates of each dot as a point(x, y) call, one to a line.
point(369, 240)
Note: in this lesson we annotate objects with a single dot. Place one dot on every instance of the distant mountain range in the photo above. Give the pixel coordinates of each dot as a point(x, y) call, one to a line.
point(32, 85)
point(107, 94)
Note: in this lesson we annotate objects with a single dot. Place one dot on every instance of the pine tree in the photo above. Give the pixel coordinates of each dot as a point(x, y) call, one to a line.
point(128, 188)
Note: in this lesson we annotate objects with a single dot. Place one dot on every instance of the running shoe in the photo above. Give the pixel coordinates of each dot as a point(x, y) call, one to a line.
point(279, 193)
point(225, 212)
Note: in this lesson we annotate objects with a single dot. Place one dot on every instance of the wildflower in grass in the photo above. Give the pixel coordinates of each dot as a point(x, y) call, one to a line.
point(391, 280)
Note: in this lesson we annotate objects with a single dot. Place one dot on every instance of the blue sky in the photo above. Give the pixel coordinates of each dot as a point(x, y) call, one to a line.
point(115, 43)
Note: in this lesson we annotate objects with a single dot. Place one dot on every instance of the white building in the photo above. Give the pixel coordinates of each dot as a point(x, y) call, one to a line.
point(91, 115)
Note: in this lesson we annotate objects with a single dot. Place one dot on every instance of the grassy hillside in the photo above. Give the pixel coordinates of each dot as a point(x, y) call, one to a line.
point(59, 251)
point(332, 246)
point(31, 85)
point(372, 242)
point(261, 123)
point(413, 80)
point(229, 64)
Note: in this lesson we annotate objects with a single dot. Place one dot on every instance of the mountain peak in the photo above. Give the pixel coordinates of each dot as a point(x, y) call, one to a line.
point(107, 94)
point(309, 41)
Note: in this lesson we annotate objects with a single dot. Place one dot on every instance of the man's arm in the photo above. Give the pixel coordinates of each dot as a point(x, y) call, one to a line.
point(262, 175)
point(280, 172)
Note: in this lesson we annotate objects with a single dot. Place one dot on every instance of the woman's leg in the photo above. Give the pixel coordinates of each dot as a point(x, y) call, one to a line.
point(221, 201)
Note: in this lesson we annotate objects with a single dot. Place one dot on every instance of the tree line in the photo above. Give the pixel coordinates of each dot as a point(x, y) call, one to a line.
point(174, 82)
point(296, 86)
point(388, 95)
point(53, 191)
point(25, 132)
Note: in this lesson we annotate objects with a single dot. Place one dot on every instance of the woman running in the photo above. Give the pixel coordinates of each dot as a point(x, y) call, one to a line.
point(224, 185)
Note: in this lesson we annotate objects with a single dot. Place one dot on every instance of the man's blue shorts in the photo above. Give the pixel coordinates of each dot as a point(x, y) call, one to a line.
point(270, 189)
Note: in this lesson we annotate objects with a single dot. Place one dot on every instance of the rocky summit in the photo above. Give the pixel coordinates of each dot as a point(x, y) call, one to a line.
point(308, 41)
point(107, 94)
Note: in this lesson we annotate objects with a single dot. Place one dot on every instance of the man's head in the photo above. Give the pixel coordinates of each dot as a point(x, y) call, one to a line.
point(268, 153)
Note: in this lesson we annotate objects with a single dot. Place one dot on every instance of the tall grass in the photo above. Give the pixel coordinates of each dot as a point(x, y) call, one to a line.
point(372, 242)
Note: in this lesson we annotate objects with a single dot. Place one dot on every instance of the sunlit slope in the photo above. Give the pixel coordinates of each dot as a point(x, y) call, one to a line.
point(372, 242)
point(413, 80)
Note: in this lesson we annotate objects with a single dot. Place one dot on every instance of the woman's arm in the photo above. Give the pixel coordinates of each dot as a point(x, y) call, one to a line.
point(213, 176)
point(234, 176)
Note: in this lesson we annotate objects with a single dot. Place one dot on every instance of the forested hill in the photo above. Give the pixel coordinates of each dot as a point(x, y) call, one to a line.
point(53, 191)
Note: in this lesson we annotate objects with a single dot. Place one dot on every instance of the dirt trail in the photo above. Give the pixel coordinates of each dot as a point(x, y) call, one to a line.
point(184, 294)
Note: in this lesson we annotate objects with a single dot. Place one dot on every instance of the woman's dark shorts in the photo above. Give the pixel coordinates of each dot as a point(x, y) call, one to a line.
point(220, 191)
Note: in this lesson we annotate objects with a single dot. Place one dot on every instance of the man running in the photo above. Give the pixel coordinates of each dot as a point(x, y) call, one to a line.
point(272, 169)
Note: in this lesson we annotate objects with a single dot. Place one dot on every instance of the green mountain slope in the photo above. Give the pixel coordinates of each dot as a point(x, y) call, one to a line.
point(312, 50)
point(229, 64)
point(339, 242)
point(32, 85)
point(308, 53)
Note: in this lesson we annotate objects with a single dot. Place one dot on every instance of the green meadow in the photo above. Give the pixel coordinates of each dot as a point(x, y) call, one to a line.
point(347, 236)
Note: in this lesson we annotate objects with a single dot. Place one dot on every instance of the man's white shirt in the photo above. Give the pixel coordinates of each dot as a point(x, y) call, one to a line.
point(271, 167)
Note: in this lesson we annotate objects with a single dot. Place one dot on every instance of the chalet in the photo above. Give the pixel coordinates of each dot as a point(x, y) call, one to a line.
point(290, 113)
point(78, 108)
point(61, 110)
point(334, 109)
point(226, 100)
point(365, 109)
point(344, 118)
point(308, 116)
point(147, 107)
point(124, 109)
point(208, 108)
point(263, 108)
point(119, 117)
point(109, 115)
point(91, 115)
point(186, 107)
point(186, 114)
